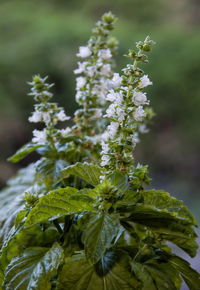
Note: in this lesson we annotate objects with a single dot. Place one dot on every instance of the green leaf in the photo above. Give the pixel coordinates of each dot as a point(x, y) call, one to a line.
point(156, 275)
point(57, 203)
point(119, 179)
point(110, 273)
point(24, 151)
point(150, 215)
point(159, 200)
point(163, 200)
point(167, 225)
point(189, 275)
point(20, 217)
point(1, 278)
point(10, 196)
point(182, 236)
point(128, 199)
point(99, 235)
point(21, 238)
point(34, 268)
point(49, 170)
point(87, 171)
point(165, 215)
point(11, 200)
point(10, 248)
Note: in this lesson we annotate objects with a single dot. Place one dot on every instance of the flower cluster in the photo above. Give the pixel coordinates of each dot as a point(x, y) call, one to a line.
point(45, 112)
point(96, 74)
point(127, 112)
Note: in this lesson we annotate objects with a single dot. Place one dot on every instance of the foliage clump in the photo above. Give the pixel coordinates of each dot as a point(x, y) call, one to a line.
point(81, 217)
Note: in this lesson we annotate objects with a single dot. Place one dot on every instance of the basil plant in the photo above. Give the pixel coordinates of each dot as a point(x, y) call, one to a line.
point(83, 216)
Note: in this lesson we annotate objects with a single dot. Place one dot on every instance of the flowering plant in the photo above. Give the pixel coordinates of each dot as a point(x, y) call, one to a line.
point(81, 217)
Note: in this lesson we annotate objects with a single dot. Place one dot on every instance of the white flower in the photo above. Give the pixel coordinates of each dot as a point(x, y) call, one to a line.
point(97, 114)
point(39, 136)
point(80, 82)
point(120, 113)
point(36, 117)
point(105, 147)
point(128, 68)
point(111, 96)
point(139, 165)
point(62, 116)
point(105, 159)
point(96, 90)
point(139, 114)
point(116, 80)
point(110, 132)
point(84, 51)
point(81, 68)
point(116, 97)
point(105, 136)
point(102, 100)
point(112, 129)
point(79, 96)
point(106, 70)
point(143, 129)
point(114, 111)
point(101, 90)
point(102, 178)
point(46, 117)
point(119, 98)
point(104, 53)
point(135, 138)
point(107, 83)
point(91, 70)
point(144, 82)
point(99, 63)
point(111, 111)
point(65, 131)
point(94, 139)
point(139, 98)
point(47, 93)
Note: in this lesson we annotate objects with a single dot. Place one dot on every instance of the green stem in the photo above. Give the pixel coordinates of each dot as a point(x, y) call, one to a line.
point(56, 224)
point(139, 251)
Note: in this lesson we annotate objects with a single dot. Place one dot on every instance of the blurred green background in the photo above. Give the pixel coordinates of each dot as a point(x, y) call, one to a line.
point(43, 37)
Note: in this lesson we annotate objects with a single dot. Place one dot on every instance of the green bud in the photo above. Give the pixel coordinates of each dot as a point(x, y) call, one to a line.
point(109, 18)
point(30, 199)
point(131, 53)
point(112, 43)
point(141, 57)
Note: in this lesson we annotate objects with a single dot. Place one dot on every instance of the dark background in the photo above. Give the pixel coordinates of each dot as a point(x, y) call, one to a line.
point(43, 37)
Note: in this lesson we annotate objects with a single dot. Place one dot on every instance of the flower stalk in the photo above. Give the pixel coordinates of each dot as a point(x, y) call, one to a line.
point(46, 112)
point(94, 80)
point(126, 113)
